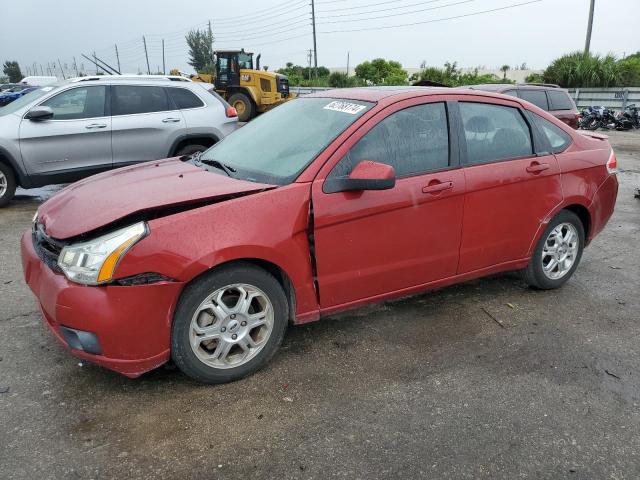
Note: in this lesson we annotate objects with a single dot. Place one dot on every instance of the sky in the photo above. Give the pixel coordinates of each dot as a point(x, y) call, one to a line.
point(534, 33)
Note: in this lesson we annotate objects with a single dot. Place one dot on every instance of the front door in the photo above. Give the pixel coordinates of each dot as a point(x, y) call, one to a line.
point(510, 190)
point(370, 243)
point(76, 139)
point(227, 71)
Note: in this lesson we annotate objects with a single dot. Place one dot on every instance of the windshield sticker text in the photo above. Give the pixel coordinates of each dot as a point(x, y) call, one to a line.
point(345, 107)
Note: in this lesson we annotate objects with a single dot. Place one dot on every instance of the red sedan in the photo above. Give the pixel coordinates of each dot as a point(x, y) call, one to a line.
point(328, 202)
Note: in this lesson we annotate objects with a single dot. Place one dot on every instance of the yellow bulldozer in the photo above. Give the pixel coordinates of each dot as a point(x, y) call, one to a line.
point(249, 90)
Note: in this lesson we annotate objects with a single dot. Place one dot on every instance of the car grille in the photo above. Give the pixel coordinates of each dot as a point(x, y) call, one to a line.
point(47, 248)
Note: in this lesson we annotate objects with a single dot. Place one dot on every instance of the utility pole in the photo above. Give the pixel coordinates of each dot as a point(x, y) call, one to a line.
point(309, 57)
point(95, 61)
point(587, 43)
point(75, 67)
point(211, 39)
point(146, 54)
point(118, 58)
point(348, 64)
point(41, 70)
point(62, 70)
point(164, 69)
point(315, 46)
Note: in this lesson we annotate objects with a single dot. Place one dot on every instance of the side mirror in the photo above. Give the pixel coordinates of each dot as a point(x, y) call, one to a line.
point(39, 113)
point(367, 175)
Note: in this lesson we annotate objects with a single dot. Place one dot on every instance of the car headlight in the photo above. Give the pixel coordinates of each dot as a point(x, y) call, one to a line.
point(94, 262)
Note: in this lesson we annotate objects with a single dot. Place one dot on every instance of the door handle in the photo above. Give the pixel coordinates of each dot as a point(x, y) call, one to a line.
point(96, 125)
point(170, 120)
point(437, 186)
point(536, 167)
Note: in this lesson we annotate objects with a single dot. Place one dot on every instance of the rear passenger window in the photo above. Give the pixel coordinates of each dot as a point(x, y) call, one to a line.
point(131, 99)
point(537, 97)
point(183, 98)
point(559, 100)
point(559, 140)
point(512, 93)
point(413, 141)
point(494, 132)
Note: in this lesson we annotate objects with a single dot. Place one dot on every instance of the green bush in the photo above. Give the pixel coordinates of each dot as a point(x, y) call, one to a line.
point(576, 70)
point(452, 76)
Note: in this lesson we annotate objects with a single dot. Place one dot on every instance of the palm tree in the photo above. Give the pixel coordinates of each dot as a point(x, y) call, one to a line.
point(504, 69)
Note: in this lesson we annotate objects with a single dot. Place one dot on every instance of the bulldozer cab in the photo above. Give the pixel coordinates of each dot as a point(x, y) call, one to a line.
point(228, 65)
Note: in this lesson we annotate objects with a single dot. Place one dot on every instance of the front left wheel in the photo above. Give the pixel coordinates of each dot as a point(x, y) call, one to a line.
point(7, 184)
point(229, 323)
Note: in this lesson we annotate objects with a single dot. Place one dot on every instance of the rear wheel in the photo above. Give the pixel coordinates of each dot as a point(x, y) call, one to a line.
point(190, 150)
point(7, 184)
point(243, 105)
point(228, 324)
point(557, 253)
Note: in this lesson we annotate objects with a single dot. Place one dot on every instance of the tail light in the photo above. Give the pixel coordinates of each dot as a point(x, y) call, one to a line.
point(612, 163)
point(231, 112)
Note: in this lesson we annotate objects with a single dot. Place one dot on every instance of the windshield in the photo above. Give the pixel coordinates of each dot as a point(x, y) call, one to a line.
point(245, 60)
point(24, 100)
point(278, 145)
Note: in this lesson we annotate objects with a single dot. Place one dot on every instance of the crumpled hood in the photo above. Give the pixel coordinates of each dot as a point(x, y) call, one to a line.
point(105, 198)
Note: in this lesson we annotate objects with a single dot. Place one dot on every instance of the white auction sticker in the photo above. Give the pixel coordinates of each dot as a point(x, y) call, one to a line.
point(345, 107)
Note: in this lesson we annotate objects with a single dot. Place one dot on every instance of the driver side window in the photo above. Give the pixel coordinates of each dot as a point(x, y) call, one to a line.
point(78, 103)
point(413, 141)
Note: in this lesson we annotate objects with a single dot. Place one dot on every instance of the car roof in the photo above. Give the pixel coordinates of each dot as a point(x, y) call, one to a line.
point(375, 94)
point(501, 87)
point(130, 78)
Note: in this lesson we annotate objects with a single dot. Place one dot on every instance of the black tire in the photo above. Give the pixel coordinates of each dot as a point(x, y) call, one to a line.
point(190, 150)
point(534, 275)
point(196, 292)
point(10, 184)
point(244, 106)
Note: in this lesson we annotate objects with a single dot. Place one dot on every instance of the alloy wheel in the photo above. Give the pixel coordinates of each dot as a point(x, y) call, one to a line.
point(231, 326)
point(3, 184)
point(560, 251)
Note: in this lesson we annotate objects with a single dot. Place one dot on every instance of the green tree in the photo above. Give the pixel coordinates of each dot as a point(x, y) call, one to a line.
point(305, 76)
point(381, 72)
point(630, 71)
point(534, 78)
point(504, 69)
point(12, 70)
point(200, 44)
point(577, 70)
point(452, 76)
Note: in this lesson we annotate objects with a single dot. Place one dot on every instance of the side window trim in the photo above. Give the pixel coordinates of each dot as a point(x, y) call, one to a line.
point(464, 157)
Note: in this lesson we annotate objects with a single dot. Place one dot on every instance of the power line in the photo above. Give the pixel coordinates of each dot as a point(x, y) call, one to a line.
point(364, 29)
point(399, 7)
point(368, 5)
point(398, 14)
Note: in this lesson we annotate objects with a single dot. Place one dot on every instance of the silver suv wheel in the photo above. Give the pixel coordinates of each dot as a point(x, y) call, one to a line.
point(3, 184)
point(560, 251)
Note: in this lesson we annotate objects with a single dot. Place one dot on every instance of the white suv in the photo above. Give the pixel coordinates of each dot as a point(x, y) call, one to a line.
point(61, 133)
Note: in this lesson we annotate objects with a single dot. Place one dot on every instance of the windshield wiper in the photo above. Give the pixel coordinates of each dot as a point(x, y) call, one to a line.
point(216, 164)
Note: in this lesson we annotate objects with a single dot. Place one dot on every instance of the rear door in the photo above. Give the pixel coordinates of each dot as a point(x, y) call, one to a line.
point(510, 189)
point(562, 107)
point(76, 139)
point(370, 243)
point(145, 123)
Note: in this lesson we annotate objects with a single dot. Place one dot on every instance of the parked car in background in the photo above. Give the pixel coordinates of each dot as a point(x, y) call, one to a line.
point(328, 202)
point(39, 81)
point(550, 98)
point(7, 86)
point(8, 96)
point(61, 133)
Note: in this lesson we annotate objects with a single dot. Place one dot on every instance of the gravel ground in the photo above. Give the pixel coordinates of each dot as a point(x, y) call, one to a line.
point(483, 380)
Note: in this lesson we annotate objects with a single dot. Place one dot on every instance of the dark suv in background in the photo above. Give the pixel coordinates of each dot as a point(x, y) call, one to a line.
point(548, 97)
